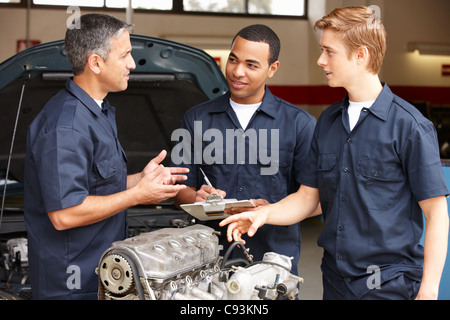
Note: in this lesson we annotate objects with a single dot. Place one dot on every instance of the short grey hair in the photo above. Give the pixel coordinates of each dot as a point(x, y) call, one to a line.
point(93, 36)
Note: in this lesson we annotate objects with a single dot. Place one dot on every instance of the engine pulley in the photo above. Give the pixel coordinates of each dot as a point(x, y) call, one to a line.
point(116, 274)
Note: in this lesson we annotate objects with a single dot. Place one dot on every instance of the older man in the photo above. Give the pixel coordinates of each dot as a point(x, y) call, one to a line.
point(76, 185)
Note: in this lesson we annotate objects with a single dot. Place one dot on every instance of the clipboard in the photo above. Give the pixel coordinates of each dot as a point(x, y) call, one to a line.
point(214, 210)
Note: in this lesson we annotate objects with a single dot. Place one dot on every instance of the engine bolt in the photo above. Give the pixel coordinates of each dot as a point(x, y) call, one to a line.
point(116, 274)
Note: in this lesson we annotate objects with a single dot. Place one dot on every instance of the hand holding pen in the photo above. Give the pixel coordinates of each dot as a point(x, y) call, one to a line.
point(208, 189)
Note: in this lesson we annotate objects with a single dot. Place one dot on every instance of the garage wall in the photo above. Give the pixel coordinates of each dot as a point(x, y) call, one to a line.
point(50, 24)
point(299, 79)
point(410, 21)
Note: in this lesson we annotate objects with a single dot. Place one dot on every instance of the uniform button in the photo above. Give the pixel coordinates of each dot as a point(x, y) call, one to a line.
point(348, 279)
point(240, 189)
point(346, 169)
point(341, 228)
point(349, 140)
point(339, 257)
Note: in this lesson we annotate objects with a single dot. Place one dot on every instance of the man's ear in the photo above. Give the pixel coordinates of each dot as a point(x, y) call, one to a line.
point(273, 68)
point(95, 63)
point(362, 55)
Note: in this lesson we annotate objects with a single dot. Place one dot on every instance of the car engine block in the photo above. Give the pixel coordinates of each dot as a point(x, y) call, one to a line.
point(184, 264)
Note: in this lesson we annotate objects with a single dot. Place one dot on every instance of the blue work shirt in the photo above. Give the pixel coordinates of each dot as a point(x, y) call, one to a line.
point(251, 176)
point(370, 181)
point(72, 152)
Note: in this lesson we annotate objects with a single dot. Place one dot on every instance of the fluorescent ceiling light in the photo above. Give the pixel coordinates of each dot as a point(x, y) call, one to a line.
point(430, 48)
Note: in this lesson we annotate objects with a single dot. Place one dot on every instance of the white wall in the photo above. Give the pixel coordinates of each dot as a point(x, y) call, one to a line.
point(405, 20)
point(416, 21)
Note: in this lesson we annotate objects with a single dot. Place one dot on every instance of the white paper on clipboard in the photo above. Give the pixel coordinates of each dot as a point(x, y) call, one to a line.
point(214, 210)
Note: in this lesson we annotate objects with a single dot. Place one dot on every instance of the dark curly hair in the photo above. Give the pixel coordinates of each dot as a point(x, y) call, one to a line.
point(262, 33)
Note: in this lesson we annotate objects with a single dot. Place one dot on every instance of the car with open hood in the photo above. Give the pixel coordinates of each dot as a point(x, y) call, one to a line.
point(169, 79)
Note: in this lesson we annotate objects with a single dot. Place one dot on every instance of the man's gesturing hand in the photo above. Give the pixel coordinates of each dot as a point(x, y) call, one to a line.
point(169, 175)
point(154, 187)
point(246, 222)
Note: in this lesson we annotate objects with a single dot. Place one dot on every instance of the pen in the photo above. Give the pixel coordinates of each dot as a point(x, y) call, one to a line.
point(206, 178)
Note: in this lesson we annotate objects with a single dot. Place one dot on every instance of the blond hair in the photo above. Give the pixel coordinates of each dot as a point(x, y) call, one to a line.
point(359, 28)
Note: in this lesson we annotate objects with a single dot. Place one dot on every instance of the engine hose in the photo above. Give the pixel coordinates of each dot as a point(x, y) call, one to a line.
point(235, 262)
point(271, 263)
point(230, 249)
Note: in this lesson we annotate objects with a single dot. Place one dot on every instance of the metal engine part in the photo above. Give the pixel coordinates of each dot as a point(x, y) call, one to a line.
point(18, 252)
point(185, 264)
point(14, 275)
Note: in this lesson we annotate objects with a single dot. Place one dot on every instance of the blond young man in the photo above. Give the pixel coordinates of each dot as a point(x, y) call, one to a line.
point(374, 164)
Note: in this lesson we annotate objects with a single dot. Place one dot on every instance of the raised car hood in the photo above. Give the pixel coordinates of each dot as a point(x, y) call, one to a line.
point(169, 79)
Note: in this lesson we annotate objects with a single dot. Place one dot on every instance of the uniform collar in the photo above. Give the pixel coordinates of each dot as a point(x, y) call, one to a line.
point(380, 107)
point(84, 98)
point(267, 105)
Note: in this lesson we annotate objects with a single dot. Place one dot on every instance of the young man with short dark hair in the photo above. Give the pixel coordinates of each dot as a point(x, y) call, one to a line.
point(265, 126)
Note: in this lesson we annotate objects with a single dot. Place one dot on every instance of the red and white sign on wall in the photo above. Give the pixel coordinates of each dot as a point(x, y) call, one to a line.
point(446, 70)
point(22, 44)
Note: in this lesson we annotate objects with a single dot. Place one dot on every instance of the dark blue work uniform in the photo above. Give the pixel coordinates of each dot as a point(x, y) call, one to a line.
point(370, 181)
point(244, 178)
point(72, 152)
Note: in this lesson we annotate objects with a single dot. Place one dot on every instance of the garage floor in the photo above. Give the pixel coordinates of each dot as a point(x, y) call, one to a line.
point(310, 260)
